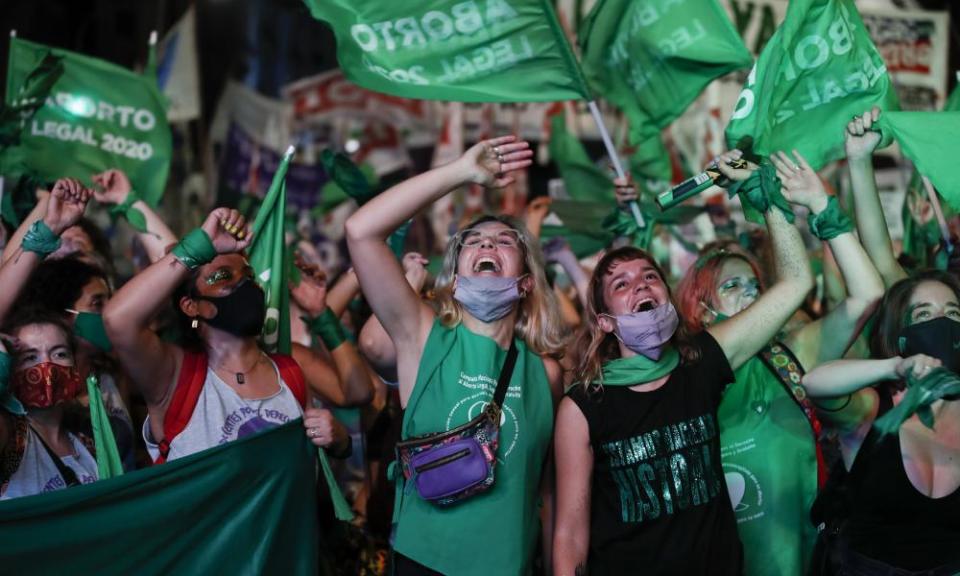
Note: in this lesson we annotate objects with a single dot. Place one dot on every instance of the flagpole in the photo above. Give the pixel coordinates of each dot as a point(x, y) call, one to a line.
point(612, 153)
point(938, 211)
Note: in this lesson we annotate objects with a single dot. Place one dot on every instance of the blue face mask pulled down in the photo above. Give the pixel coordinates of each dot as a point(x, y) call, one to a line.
point(487, 298)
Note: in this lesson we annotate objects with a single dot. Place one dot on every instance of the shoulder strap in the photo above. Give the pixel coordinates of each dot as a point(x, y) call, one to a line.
point(292, 375)
point(505, 374)
point(66, 472)
point(193, 373)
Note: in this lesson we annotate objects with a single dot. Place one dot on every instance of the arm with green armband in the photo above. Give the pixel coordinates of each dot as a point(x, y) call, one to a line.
point(116, 191)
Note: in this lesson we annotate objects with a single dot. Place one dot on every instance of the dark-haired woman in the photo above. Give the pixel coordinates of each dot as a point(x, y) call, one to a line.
point(639, 480)
point(237, 388)
point(902, 491)
point(491, 294)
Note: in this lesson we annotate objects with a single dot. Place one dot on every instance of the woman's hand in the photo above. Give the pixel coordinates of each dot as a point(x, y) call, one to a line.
point(861, 140)
point(626, 192)
point(415, 270)
point(490, 162)
point(536, 212)
point(68, 200)
point(800, 183)
point(323, 429)
point(736, 174)
point(115, 186)
point(918, 365)
point(311, 293)
point(228, 230)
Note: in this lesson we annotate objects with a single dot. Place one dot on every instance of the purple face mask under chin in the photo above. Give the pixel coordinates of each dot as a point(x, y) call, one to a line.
point(647, 332)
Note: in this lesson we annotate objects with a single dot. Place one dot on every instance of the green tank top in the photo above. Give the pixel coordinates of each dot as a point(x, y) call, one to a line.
point(493, 532)
point(769, 461)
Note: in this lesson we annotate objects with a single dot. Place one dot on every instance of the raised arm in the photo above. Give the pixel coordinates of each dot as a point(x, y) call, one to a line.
point(828, 338)
point(62, 209)
point(115, 190)
point(153, 364)
point(37, 213)
point(861, 141)
point(406, 319)
point(746, 333)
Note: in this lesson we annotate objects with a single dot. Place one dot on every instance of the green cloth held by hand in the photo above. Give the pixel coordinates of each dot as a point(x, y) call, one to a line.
point(761, 192)
point(921, 394)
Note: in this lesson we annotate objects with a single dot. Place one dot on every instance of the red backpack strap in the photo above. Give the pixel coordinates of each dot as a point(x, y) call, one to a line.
point(193, 373)
point(292, 375)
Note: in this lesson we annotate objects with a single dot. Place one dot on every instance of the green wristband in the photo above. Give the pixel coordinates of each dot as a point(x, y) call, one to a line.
point(132, 215)
point(40, 239)
point(327, 327)
point(195, 249)
point(760, 193)
point(830, 222)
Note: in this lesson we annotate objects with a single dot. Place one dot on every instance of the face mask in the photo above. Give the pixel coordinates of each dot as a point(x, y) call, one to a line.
point(939, 338)
point(46, 385)
point(89, 326)
point(649, 331)
point(487, 298)
point(241, 312)
point(717, 316)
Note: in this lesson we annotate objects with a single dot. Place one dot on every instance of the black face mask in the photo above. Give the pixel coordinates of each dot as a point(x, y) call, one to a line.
point(939, 338)
point(241, 312)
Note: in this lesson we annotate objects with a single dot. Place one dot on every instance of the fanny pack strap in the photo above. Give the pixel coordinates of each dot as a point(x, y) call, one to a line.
point(69, 476)
point(506, 373)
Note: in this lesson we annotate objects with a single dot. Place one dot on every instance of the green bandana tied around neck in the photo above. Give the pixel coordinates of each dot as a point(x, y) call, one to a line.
point(831, 222)
point(761, 192)
point(8, 401)
point(921, 394)
point(639, 369)
point(134, 217)
point(40, 239)
point(108, 457)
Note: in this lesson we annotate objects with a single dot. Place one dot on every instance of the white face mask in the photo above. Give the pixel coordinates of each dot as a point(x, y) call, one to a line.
point(647, 332)
point(487, 298)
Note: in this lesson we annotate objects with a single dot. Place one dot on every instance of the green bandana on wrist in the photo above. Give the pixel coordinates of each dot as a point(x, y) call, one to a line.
point(921, 394)
point(639, 369)
point(830, 222)
point(134, 216)
point(40, 239)
point(7, 400)
point(760, 193)
point(195, 249)
point(327, 327)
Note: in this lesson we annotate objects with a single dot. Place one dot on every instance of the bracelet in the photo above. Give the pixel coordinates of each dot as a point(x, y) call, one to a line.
point(830, 222)
point(195, 249)
point(134, 216)
point(40, 239)
point(839, 408)
point(327, 327)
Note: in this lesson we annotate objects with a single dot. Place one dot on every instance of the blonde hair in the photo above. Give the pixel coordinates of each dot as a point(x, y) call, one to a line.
point(538, 317)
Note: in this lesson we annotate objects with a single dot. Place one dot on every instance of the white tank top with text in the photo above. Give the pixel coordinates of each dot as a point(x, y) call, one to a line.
point(38, 474)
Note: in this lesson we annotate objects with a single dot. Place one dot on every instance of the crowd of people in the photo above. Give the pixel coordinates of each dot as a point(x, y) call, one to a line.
point(513, 425)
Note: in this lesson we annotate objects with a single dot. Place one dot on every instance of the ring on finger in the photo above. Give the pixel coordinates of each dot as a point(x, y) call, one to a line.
point(496, 150)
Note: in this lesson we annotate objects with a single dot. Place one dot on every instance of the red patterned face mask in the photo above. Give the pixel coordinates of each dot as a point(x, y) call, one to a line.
point(46, 385)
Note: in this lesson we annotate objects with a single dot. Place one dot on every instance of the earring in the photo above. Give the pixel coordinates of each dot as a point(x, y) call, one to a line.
point(194, 323)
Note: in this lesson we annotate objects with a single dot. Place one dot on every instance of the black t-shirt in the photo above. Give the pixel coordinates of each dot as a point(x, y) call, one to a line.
point(659, 502)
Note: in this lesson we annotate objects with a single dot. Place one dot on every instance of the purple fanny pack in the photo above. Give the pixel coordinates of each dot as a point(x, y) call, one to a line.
point(449, 467)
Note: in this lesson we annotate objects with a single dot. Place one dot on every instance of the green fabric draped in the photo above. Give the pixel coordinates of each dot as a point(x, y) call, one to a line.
point(759, 193)
point(639, 369)
point(921, 394)
point(109, 464)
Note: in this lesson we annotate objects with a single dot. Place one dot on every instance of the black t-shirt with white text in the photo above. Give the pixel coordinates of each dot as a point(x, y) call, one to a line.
point(659, 502)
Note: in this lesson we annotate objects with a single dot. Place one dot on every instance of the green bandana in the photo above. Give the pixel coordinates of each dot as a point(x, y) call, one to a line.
point(195, 249)
point(831, 222)
point(921, 394)
point(40, 239)
point(347, 176)
point(7, 400)
point(759, 193)
point(89, 326)
point(327, 327)
point(134, 217)
point(108, 457)
point(639, 369)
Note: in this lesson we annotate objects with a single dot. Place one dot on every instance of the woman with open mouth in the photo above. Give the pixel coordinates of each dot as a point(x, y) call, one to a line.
point(493, 304)
point(639, 479)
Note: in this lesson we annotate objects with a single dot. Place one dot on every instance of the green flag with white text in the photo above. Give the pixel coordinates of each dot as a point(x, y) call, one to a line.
point(818, 70)
point(653, 58)
point(466, 51)
point(929, 139)
point(97, 116)
point(268, 258)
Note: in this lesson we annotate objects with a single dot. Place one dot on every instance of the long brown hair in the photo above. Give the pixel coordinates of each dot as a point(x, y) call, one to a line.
point(593, 345)
point(892, 314)
point(538, 318)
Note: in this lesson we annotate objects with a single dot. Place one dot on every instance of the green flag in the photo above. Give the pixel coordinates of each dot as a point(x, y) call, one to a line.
point(267, 256)
point(583, 179)
point(818, 70)
point(653, 58)
point(466, 51)
point(929, 139)
point(97, 116)
point(246, 507)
